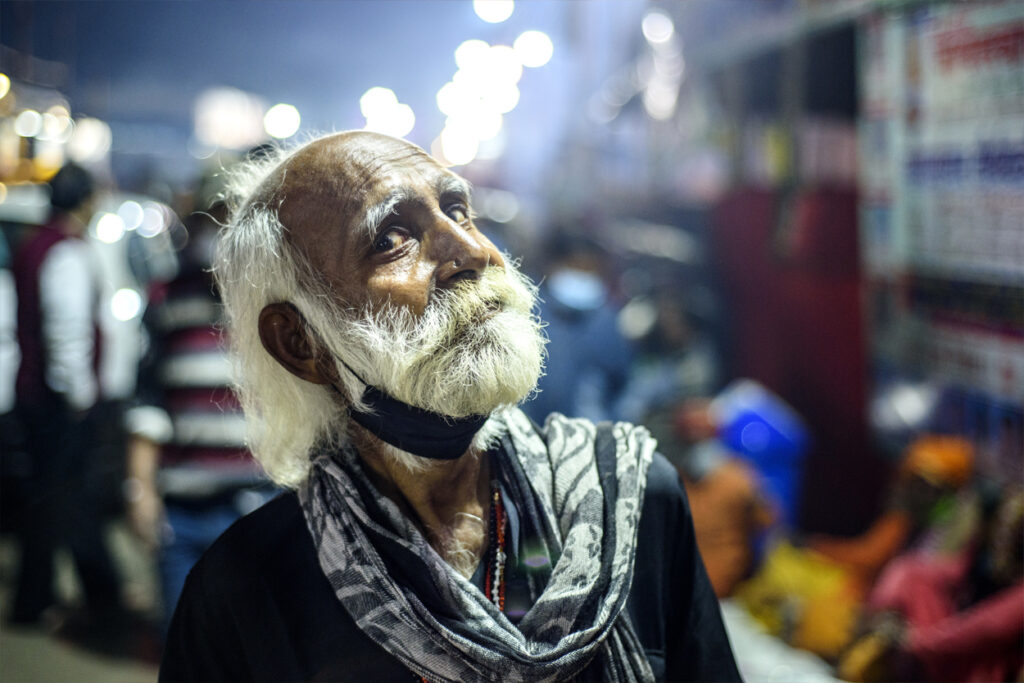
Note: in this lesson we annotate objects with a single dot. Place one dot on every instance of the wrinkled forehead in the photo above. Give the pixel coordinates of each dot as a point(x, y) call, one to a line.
point(330, 183)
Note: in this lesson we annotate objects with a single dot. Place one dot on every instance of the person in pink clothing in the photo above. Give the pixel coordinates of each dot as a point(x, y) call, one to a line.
point(959, 617)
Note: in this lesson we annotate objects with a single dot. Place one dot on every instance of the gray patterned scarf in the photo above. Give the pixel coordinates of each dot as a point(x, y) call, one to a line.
point(581, 486)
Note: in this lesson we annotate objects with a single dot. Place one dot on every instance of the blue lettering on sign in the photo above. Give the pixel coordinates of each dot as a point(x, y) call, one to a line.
point(923, 168)
point(1001, 161)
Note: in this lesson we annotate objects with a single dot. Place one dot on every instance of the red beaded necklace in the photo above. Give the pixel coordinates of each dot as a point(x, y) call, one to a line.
point(494, 582)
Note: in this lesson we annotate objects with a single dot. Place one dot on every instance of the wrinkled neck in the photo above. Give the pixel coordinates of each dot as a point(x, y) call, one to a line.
point(447, 499)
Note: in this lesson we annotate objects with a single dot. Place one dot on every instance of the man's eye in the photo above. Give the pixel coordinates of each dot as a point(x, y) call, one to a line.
point(458, 213)
point(390, 240)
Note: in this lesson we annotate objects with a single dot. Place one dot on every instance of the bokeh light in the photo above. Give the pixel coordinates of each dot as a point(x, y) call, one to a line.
point(480, 93)
point(470, 52)
point(492, 148)
point(499, 206)
point(454, 97)
point(657, 27)
point(282, 121)
point(398, 121)
point(385, 114)
point(229, 118)
point(501, 64)
point(153, 220)
point(481, 125)
point(533, 48)
point(660, 100)
point(377, 100)
point(110, 228)
point(500, 97)
point(28, 123)
point(90, 142)
point(458, 145)
point(5, 85)
point(131, 213)
point(56, 125)
point(126, 304)
point(494, 11)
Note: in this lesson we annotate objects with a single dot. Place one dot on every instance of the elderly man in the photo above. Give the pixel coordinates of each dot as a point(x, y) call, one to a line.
point(435, 533)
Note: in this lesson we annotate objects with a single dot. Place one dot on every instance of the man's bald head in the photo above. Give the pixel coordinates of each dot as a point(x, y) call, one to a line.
point(333, 171)
point(338, 194)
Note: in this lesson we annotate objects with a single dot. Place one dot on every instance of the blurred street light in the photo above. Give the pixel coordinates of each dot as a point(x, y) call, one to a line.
point(57, 125)
point(90, 142)
point(28, 124)
point(282, 121)
point(131, 213)
point(125, 304)
point(153, 220)
point(453, 98)
point(493, 11)
point(229, 118)
point(501, 97)
point(377, 100)
point(481, 124)
point(533, 48)
point(385, 114)
point(660, 100)
point(397, 121)
point(657, 27)
point(458, 146)
point(5, 85)
point(470, 52)
point(109, 228)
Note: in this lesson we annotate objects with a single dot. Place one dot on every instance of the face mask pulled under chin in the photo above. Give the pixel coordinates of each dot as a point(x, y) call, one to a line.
point(414, 430)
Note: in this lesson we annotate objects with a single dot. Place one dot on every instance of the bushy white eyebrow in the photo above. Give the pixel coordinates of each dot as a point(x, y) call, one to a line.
point(376, 214)
point(453, 184)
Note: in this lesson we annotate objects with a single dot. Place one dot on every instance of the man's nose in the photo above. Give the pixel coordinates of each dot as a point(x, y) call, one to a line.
point(461, 254)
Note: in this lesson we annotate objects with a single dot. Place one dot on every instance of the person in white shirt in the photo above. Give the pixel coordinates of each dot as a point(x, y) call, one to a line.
point(57, 385)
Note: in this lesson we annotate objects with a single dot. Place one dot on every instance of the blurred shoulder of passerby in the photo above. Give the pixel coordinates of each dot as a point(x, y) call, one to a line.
point(189, 473)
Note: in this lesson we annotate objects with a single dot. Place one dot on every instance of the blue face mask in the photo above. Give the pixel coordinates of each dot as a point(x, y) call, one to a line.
point(577, 289)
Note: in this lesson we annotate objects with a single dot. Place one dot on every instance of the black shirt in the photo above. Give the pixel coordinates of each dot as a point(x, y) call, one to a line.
point(257, 606)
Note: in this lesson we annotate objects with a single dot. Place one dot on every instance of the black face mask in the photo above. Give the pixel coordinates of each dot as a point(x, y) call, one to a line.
point(414, 430)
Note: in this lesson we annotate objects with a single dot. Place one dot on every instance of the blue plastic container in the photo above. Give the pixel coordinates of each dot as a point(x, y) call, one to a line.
point(764, 430)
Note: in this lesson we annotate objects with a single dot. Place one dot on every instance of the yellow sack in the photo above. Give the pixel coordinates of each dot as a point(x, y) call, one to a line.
point(803, 598)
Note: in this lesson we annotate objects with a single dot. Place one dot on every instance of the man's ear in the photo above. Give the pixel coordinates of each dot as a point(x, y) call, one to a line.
point(283, 333)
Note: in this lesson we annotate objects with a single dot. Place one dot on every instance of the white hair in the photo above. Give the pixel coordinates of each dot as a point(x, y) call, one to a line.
point(256, 266)
point(476, 348)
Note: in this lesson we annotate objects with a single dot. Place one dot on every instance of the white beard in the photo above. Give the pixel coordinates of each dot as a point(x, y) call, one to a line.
point(476, 348)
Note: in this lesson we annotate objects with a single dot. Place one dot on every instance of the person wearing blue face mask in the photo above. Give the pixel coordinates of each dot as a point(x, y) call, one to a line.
point(433, 532)
point(589, 359)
